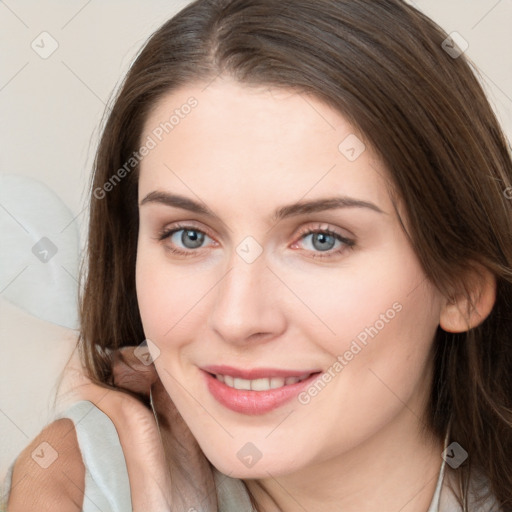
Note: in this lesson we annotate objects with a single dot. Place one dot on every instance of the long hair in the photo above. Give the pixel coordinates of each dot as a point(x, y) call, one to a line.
point(383, 65)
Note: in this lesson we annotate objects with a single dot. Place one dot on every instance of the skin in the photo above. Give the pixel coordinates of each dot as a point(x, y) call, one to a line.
point(157, 483)
point(245, 151)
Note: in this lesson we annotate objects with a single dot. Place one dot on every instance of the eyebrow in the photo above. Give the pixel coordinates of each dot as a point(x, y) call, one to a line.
point(291, 210)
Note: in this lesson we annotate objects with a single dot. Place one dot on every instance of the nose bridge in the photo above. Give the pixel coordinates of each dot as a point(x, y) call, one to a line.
point(242, 302)
point(242, 289)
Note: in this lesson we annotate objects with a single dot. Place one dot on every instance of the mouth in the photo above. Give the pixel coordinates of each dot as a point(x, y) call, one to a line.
point(255, 391)
point(263, 384)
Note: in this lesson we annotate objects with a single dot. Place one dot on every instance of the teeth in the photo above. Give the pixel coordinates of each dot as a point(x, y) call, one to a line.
point(259, 384)
point(276, 382)
point(242, 383)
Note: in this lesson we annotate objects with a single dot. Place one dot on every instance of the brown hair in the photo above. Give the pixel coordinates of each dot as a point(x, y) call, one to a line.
point(381, 64)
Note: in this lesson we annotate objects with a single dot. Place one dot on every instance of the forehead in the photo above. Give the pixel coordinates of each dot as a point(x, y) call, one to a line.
point(262, 143)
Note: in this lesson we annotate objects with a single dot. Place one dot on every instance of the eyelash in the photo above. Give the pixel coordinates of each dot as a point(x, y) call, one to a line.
point(348, 243)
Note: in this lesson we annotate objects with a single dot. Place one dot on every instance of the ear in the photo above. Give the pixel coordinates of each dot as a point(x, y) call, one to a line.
point(463, 311)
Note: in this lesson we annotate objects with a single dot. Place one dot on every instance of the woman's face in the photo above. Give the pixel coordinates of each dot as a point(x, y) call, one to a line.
point(287, 314)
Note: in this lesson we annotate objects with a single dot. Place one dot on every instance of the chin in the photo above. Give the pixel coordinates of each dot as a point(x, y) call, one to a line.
point(243, 467)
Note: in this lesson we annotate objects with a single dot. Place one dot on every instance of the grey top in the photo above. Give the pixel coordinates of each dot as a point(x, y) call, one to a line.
point(107, 486)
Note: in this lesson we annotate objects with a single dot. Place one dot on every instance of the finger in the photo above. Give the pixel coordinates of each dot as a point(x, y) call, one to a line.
point(193, 485)
point(167, 414)
point(130, 373)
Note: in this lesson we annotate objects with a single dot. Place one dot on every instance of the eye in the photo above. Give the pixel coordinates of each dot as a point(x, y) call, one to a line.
point(320, 242)
point(325, 241)
point(184, 239)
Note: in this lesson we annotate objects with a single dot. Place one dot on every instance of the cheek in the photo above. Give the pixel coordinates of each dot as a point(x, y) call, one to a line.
point(385, 320)
point(169, 296)
point(382, 290)
point(376, 321)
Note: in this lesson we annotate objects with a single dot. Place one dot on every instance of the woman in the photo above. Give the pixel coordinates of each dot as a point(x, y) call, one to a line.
point(301, 208)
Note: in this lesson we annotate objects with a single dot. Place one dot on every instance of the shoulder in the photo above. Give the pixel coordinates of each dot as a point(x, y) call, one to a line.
point(49, 474)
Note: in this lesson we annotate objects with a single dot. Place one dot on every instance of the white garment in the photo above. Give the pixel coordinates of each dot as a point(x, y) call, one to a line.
point(107, 487)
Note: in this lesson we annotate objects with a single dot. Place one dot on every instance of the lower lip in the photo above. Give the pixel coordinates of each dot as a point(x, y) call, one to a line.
point(254, 402)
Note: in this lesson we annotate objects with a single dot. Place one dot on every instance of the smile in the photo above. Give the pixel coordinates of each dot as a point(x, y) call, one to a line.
point(263, 384)
point(255, 391)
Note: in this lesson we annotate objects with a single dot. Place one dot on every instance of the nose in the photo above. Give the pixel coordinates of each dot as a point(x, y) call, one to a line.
point(247, 306)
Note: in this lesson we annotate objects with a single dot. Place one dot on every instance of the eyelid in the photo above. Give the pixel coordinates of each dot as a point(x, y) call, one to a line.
point(168, 231)
point(188, 225)
point(320, 226)
point(323, 227)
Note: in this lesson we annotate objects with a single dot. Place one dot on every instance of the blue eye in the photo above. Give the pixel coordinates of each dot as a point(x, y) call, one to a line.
point(323, 243)
point(189, 237)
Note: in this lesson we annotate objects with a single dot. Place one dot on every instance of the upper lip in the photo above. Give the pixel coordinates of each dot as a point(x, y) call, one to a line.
point(256, 373)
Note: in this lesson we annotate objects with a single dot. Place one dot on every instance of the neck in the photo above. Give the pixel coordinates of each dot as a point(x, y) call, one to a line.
point(396, 469)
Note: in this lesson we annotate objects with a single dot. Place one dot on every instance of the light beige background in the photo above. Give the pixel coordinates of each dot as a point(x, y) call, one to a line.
point(50, 109)
point(50, 112)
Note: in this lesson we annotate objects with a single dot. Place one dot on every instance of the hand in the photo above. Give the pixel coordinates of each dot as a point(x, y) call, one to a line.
point(192, 483)
point(166, 467)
